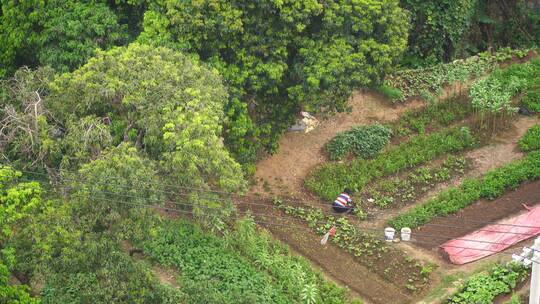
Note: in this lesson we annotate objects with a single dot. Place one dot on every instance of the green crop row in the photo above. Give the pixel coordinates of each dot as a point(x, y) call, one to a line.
point(406, 189)
point(432, 116)
point(483, 288)
point(491, 186)
point(213, 270)
point(328, 180)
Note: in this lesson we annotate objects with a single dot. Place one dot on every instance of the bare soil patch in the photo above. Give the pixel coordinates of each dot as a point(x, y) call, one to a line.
point(298, 153)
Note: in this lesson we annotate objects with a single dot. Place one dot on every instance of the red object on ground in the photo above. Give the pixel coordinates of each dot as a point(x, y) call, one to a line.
point(332, 231)
point(493, 238)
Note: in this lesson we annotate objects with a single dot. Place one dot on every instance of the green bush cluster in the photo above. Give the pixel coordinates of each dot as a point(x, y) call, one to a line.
point(328, 180)
point(491, 186)
point(483, 288)
point(531, 140)
point(363, 141)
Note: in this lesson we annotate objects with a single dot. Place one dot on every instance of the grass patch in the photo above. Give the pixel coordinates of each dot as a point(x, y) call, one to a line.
point(531, 140)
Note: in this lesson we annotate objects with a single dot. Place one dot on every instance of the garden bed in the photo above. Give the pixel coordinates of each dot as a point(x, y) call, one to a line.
point(338, 264)
point(405, 188)
point(480, 212)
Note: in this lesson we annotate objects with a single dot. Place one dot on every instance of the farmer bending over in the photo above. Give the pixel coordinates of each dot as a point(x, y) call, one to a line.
point(343, 202)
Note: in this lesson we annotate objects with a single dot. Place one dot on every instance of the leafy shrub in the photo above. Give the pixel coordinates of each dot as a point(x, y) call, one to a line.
point(483, 288)
point(363, 141)
point(391, 93)
point(328, 180)
point(531, 140)
point(491, 186)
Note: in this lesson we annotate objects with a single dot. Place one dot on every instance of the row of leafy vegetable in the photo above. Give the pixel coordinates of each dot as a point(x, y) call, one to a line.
point(490, 186)
point(407, 188)
point(483, 288)
point(368, 141)
point(329, 179)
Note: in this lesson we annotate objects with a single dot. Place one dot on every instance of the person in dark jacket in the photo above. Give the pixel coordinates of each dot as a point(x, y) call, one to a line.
point(343, 202)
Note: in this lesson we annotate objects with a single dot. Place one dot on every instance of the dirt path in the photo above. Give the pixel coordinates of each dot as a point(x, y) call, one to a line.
point(298, 153)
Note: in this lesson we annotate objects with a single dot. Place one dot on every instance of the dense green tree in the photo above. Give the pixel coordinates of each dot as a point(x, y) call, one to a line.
point(32, 138)
point(62, 34)
point(280, 56)
point(115, 188)
point(439, 27)
point(163, 102)
point(51, 247)
point(18, 203)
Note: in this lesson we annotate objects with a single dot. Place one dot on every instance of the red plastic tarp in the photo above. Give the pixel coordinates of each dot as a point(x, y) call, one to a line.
point(493, 238)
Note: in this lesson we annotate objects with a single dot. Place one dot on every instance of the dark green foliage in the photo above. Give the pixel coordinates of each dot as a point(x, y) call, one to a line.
point(363, 141)
point(483, 288)
point(491, 186)
point(62, 34)
point(531, 140)
point(438, 27)
point(513, 23)
point(278, 57)
point(328, 180)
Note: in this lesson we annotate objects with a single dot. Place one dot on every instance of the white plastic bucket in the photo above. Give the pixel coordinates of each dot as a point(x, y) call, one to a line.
point(406, 234)
point(389, 234)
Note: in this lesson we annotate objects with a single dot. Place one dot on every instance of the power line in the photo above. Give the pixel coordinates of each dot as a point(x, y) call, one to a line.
point(362, 229)
point(204, 191)
point(299, 227)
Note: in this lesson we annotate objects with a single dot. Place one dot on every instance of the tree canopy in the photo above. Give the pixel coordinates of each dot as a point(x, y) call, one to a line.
point(280, 56)
point(58, 33)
